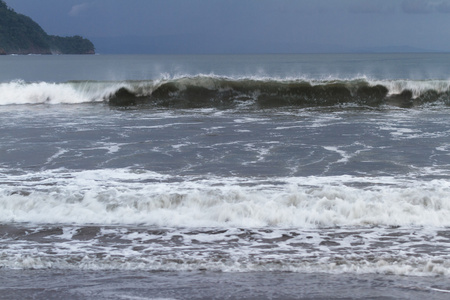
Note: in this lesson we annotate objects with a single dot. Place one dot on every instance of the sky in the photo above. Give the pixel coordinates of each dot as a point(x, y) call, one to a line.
point(246, 26)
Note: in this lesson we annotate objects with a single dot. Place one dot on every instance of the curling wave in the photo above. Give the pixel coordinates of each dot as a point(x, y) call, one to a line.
point(205, 91)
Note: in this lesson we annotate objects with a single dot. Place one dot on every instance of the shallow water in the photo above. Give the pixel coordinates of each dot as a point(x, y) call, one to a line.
point(38, 284)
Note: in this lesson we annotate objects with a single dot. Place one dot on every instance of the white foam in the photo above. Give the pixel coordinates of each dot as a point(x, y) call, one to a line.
point(56, 155)
point(18, 92)
point(342, 153)
point(122, 196)
point(417, 87)
point(250, 120)
point(377, 250)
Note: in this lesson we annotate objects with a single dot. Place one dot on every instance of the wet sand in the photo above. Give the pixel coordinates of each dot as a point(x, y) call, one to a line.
point(67, 284)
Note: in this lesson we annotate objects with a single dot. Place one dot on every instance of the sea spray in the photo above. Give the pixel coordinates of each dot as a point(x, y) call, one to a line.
point(227, 92)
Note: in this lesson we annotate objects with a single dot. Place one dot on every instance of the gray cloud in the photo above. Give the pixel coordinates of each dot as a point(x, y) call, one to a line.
point(79, 8)
point(443, 7)
point(425, 7)
point(416, 7)
point(371, 6)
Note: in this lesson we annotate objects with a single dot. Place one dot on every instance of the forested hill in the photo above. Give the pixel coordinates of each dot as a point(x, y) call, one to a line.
point(19, 34)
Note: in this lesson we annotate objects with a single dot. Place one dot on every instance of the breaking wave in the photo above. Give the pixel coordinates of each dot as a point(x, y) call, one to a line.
point(206, 91)
point(122, 196)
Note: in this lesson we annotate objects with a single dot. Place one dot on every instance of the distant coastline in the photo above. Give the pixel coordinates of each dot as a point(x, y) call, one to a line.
point(19, 34)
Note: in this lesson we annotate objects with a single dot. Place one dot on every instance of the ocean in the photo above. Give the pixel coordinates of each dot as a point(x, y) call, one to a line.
point(312, 176)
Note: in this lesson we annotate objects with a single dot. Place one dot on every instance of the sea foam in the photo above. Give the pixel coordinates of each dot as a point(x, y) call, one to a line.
point(120, 196)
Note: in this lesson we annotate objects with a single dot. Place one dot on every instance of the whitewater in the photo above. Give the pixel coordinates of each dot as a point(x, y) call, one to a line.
point(200, 91)
point(214, 175)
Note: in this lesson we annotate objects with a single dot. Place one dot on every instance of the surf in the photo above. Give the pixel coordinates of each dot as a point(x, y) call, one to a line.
point(211, 91)
point(122, 196)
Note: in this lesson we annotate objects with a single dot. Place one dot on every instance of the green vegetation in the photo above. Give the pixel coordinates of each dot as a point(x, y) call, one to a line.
point(19, 34)
point(71, 45)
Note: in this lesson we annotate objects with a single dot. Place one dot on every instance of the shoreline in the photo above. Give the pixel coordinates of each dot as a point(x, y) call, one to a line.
point(117, 284)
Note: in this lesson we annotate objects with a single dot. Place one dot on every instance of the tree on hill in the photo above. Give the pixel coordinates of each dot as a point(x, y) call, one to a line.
point(71, 45)
point(19, 34)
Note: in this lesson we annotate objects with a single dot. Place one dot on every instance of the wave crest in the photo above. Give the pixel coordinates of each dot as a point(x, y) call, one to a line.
point(222, 92)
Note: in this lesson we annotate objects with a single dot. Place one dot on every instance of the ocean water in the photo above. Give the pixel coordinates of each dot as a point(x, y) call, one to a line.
point(227, 177)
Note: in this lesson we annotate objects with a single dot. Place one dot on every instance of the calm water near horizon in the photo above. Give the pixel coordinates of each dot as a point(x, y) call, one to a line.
point(225, 176)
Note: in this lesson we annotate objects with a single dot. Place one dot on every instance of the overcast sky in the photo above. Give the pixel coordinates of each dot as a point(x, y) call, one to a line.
point(246, 26)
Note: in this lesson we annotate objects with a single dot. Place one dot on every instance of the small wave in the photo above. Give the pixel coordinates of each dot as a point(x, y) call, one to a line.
point(210, 91)
point(381, 250)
